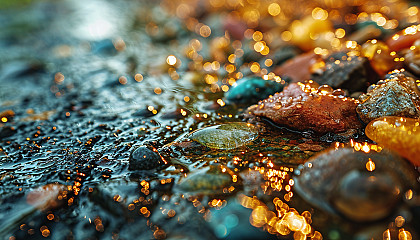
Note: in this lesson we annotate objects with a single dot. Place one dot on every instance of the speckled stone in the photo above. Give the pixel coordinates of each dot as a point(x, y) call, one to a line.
point(398, 95)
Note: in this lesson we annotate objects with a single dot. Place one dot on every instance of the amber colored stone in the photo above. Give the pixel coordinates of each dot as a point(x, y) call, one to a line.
point(303, 30)
point(303, 107)
point(379, 55)
point(402, 40)
point(399, 134)
point(298, 68)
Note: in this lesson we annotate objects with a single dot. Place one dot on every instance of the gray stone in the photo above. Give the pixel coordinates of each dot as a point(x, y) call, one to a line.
point(145, 157)
point(396, 96)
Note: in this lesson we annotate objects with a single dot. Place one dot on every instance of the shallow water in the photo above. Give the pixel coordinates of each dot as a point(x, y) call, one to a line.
point(80, 107)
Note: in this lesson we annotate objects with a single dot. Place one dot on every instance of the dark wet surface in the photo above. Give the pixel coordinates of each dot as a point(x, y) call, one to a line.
point(69, 70)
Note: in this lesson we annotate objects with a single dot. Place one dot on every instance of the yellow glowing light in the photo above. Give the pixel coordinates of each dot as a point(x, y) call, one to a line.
point(221, 103)
point(205, 31)
point(268, 62)
point(351, 44)
point(259, 46)
point(286, 36)
point(138, 77)
point(412, 11)
point(319, 13)
point(257, 36)
point(4, 119)
point(265, 51)
point(340, 33)
point(186, 99)
point(171, 60)
point(255, 67)
point(122, 80)
point(274, 9)
point(232, 58)
point(410, 30)
point(58, 78)
point(225, 88)
point(370, 165)
point(399, 221)
point(230, 68)
point(404, 235)
point(317, 236)
point(157, 90)
point(386, 235)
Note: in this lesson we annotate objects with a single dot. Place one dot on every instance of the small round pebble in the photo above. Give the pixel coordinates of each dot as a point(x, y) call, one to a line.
point(144, 157)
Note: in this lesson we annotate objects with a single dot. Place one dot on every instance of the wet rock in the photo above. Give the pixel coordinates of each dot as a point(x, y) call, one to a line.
point(303, 107)
point(178, 113)
point(298, 68)
point(380, 57)
point(145, 157)
point(399, 134)
point(180, 219)
point(283, 54)
point(7, 131)
point(403, 39)
point(341, 71)
point(225, 136)
point(115, 195)
point(208, 180)
point(251, 90)
point(47, 197)
point(104, 47)
point(412, 59)
point(148, 111)
point(19, 69)
point(398, 95)
point(360, 186)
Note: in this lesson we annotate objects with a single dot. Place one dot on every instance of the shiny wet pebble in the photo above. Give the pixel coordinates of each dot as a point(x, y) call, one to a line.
point(357, 185)
point(144, 157)
point(225, 136)
point(251, 90)
point(399, 134)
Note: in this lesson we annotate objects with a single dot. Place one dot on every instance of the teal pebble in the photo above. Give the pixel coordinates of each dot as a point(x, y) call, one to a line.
point(252, 90)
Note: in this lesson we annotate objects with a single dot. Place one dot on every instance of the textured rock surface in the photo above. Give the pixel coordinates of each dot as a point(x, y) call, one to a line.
point(398, 95)
point(341, 71)
point(304, 108)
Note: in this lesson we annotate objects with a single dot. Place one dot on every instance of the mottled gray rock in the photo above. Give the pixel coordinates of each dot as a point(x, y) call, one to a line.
point(398, 95)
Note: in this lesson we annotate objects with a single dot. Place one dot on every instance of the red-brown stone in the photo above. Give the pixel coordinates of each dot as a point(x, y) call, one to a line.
point(298, 68)
point(304, 108)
